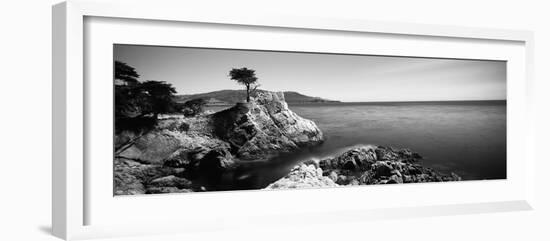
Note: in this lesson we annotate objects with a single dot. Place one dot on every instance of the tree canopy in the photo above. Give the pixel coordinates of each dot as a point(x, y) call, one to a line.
point(134, 98)
point(159, 97)
point(126, 73)
point(137, 104)
point(246, 77)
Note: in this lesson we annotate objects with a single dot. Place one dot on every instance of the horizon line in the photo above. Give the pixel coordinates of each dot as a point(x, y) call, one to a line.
point(365, 101)
point(398, 101)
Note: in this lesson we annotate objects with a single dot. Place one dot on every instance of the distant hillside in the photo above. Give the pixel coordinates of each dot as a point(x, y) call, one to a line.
point(229, 97)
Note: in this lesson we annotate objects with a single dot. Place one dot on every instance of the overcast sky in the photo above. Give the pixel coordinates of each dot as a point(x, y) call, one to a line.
point(329, 76)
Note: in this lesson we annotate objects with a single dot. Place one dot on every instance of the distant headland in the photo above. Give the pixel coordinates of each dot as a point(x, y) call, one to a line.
point(231, 97)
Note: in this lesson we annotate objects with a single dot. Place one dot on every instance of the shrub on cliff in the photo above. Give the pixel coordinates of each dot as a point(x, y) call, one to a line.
point(193, 107)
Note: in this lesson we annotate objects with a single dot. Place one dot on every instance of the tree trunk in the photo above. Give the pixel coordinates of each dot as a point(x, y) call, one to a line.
point(247, 93)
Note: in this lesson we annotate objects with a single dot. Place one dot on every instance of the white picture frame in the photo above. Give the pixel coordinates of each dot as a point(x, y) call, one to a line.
point(77, 196)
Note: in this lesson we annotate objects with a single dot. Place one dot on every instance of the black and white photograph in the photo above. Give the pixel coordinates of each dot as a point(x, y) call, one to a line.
point(202, 119)
point(276, 120)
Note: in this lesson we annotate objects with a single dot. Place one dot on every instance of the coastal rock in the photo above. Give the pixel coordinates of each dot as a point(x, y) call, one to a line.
point(382, 169)
point(152, 147)
point(395, 179)
point(333, 176)
point(342, 180)
point(354, 159)
point(301, 131)
point(388, 153)
point(264, 126)
point(248, 130)
point(127, 184)
point(168, 142)
point(367, 165)
point(303, 176)
point(170, 181)
point(210, 144)
point(131, 177)
point(157, 190)
point(455, 177)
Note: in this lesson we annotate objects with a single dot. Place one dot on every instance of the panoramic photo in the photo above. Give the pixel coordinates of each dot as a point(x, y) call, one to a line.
point(200, 119)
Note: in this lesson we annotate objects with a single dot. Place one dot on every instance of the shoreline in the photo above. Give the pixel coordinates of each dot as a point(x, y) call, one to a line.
point(362, 165)
point(358, 165)
point(215, 151)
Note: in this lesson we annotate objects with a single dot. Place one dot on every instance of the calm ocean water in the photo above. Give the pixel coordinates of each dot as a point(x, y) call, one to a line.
point(467, 138)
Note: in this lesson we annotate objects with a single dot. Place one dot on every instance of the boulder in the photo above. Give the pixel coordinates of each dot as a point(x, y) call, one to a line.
point(333, 176)
point(354, 182)
point(367, 178)
point(342, 180)
point(303, 176)
point(395, 179)
point(356, 159)
point(360, 158)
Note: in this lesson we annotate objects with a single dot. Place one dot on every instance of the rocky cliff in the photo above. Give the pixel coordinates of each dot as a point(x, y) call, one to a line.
point(264, 127)
point(178, 149)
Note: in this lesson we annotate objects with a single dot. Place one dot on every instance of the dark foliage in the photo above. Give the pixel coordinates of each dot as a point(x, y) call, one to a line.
point(246, 77)
point(193, 107)
point(129, 101)
point(126, 73)
point(137, 104)
point(135, 124)
point(158, 97)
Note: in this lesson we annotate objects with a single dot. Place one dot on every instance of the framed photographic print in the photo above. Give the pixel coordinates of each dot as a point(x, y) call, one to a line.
point(204, 122)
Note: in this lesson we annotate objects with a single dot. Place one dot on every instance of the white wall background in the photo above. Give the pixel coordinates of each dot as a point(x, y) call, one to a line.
point(25, 99)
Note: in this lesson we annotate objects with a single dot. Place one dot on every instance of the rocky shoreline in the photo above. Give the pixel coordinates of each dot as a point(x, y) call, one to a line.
point(366, 165)
point(191, 154)
point(195, 152)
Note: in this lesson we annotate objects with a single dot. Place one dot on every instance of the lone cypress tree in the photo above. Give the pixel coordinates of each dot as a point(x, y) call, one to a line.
point(246, 77)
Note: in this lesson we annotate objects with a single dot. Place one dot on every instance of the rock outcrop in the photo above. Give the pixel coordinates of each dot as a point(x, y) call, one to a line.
point(380, 165)
point(210, 144)
point(263, 127)
point(131, 177)
point(303, 176)
point(368, 165)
